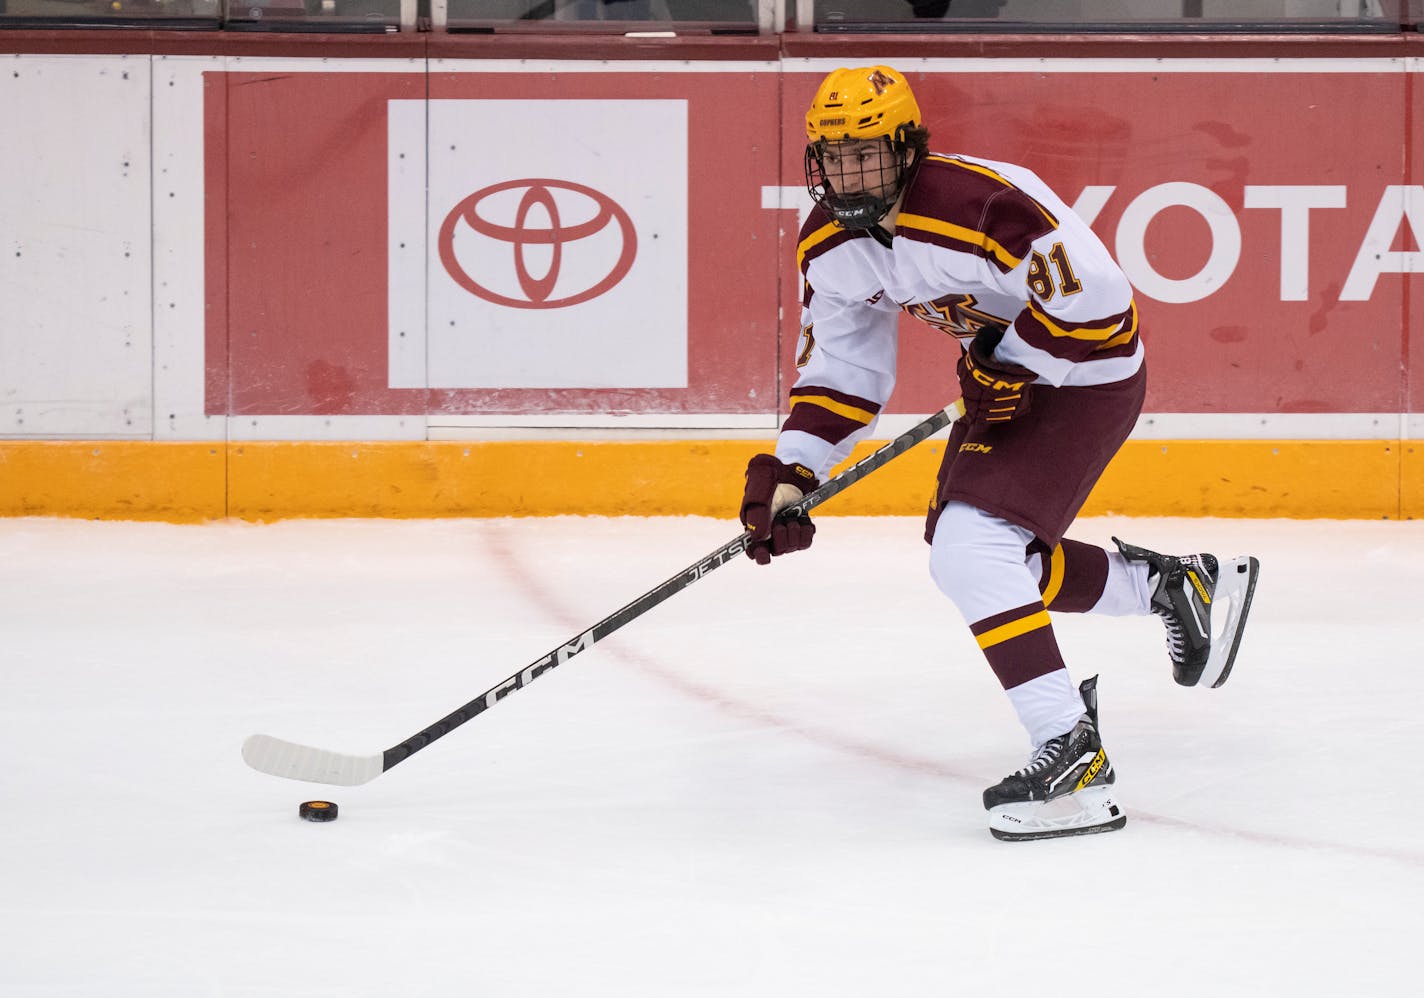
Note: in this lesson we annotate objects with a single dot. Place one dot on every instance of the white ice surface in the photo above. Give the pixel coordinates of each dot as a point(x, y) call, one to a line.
point(769, 786)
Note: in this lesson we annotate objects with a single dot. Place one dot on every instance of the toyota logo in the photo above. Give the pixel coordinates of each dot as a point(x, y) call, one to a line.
point(589, 213)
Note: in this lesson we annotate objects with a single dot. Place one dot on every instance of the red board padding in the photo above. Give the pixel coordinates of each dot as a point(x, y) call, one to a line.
point(296, 227)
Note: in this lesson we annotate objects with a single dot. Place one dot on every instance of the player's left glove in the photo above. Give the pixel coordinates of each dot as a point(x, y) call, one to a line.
point(771, 487)
point(994, 392)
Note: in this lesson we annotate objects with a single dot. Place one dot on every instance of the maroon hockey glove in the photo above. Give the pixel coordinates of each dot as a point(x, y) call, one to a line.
point(994, 392)
point(771, 487)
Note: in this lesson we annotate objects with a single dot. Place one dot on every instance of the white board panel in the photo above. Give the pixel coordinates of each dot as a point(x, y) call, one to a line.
point(75, 247)
point(179, 250)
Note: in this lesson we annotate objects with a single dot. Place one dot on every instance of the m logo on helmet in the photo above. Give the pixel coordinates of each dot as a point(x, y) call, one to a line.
point(880, 82)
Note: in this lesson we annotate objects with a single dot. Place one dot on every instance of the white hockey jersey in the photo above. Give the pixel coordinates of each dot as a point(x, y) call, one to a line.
point(976, 242)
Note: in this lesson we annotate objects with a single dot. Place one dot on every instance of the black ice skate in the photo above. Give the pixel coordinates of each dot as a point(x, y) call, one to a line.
point(1064, 789)
point(1203, 605)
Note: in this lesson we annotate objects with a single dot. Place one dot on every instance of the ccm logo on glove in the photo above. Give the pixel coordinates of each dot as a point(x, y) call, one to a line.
point(993, 392)
point(772, 486)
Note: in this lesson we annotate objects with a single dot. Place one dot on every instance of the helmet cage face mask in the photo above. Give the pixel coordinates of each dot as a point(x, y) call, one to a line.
point(857, 181)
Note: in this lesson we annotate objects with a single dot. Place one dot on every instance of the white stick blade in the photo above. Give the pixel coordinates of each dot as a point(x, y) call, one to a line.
point(291, 761)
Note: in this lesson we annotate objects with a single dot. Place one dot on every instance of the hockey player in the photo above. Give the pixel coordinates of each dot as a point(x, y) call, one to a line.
point(1053, 379)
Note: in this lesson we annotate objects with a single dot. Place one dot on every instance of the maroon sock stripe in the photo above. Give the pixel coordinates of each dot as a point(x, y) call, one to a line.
point(1019, 644)
point(1076, 575)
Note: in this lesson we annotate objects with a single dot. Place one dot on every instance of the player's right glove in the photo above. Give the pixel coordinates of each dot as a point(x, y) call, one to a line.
point(994, 392)
point(771, 487)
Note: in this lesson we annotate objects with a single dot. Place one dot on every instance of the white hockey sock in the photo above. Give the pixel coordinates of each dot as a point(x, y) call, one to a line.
point(1126, 593)
point(1047, 706)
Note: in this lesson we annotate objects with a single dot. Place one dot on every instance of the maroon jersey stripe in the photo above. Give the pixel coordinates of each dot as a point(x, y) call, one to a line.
point(1097, 340)
point(828, 414)
point(1099, 329)
point(843, 398)
point(946, 241)
point(974, 198)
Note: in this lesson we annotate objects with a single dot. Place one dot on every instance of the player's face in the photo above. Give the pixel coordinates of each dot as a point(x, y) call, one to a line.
point(859, 166)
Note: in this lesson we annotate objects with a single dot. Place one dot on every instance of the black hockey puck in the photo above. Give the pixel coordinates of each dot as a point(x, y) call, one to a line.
point(317, 810)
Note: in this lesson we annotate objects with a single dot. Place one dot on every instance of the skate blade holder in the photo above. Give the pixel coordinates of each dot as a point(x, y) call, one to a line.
point(1082, 813)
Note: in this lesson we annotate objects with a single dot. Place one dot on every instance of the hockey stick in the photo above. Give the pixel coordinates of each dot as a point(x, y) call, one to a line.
point(278, 757)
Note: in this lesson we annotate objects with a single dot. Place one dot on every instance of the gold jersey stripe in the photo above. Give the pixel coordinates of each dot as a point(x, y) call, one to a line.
point(960, 233)
point(1013, 629)
point(1112, 332)
point(1123, 337)
point(995, 175)
point(812, 241)
point(1055, 576)
point(850, 412)
point(1129, 330)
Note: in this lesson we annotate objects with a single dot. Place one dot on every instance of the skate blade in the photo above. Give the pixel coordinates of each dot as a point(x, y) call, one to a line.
point(1235, 586)
point(1083, 813)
